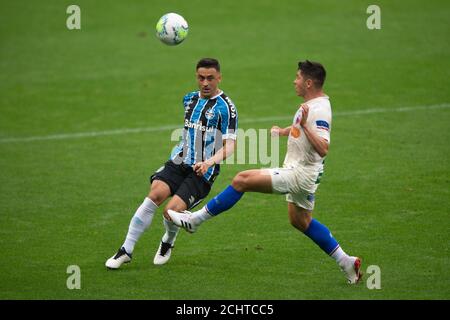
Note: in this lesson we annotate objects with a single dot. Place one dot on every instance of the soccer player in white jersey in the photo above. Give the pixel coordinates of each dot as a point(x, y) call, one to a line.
point(210, 122)
point(298, 179)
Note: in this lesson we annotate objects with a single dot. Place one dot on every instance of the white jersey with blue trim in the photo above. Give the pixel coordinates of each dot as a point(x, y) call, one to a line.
point(300, 152)
point(207, 122)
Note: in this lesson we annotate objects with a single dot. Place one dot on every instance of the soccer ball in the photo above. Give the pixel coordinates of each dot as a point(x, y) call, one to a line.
point(172, 29)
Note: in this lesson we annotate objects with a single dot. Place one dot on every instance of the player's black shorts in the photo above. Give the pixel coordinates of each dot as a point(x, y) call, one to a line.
point(184, 182)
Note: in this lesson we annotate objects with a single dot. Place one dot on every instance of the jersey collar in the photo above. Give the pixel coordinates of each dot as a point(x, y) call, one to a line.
point(214, 97)
point(321, 97)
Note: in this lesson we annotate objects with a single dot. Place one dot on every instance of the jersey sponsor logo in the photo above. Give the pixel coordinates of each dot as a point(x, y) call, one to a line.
point(197, 126)
point(322, 124)
point(233, 111)
point(232, 107)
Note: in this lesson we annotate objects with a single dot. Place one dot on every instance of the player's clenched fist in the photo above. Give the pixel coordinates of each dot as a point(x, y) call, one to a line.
point(200, 168)
point(277, 131)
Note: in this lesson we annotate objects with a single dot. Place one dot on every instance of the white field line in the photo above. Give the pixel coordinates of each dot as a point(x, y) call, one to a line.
point(66, 136)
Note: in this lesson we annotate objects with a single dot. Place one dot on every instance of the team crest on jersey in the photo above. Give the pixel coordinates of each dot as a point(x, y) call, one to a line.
point(209, 114)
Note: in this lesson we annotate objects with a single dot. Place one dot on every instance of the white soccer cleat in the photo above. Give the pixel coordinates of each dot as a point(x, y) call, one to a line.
point(352, 268)
point(183, 220)
point(163, 253)
point(118, 259)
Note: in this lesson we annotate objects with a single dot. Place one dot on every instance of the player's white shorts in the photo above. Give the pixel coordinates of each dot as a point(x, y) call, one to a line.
point(298, 185)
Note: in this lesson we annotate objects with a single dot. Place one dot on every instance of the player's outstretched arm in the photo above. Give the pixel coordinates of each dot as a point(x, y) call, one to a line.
point(277, 131)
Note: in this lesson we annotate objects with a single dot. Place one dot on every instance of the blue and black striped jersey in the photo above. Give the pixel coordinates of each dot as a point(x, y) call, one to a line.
point(207, 122)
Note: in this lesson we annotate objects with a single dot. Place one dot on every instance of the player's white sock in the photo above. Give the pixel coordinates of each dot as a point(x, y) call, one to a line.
point(139, 223)
point(171, 232)
point(200, 216)
point(339, 255)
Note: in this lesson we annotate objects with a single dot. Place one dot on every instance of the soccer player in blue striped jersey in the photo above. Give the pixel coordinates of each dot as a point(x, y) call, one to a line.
point(210, 124)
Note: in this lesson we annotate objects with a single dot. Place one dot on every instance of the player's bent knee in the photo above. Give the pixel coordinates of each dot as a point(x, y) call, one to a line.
point(300, 221)
point(240, 182)
point(156, 197)
point(297, 224)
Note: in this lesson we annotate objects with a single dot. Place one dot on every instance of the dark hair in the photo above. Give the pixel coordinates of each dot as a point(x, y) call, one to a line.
point(314, 71)
point(209, 63)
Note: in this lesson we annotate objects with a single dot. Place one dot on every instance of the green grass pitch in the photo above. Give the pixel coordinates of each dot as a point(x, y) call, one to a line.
point(66, 199)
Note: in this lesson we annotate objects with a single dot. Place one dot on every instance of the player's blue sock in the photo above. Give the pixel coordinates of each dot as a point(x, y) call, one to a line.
point(223, 201)
point(320, 234)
